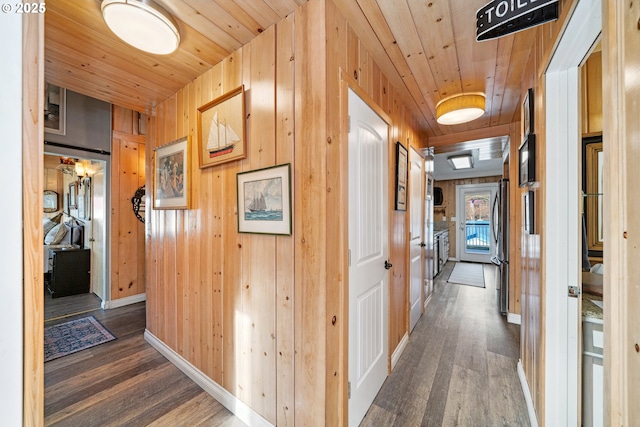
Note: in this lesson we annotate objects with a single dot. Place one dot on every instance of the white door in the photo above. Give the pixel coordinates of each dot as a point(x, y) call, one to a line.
point(416, 240)
point(368, 248)
point(474, 241)
point(97, 241)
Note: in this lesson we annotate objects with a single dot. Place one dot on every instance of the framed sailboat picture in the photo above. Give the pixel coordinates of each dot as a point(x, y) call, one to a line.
point(221, 129)
point(264, 200)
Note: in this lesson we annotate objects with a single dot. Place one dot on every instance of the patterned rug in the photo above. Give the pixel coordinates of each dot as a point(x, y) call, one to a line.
point(73, 336)
point(465, 273)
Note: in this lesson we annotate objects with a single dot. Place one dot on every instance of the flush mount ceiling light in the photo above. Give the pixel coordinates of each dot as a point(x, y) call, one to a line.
point(460, 109)
point(142, 24)
point(464, 161)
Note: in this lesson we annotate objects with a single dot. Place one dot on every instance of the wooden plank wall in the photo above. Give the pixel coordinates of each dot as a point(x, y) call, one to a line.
point(264, 316)
point(127, 232)
point(621, 127)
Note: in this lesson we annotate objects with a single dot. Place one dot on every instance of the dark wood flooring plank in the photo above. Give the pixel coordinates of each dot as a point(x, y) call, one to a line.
point(125, 382)
point(459, 367)
point(507, 408)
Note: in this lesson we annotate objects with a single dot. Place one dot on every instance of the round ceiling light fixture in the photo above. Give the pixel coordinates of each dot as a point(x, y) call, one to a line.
point(143, 24)
point(460, 108)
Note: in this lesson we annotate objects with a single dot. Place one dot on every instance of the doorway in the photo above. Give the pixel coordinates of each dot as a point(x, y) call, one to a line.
point(562, 214)
point(79, 185)
point(368, 256)
point(475, 222)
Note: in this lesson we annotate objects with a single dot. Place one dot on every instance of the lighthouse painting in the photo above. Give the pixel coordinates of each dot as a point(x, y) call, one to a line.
point(221, 129)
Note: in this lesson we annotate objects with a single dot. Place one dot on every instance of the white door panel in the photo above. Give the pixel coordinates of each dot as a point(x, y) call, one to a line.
point(368, 246)
point(416, 229)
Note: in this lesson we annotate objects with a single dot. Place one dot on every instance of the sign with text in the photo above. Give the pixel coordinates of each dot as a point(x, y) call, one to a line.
point(502, 17)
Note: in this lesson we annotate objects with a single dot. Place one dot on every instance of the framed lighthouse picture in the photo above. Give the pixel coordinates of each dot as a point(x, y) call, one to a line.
point(221, 129)
point(264, 200)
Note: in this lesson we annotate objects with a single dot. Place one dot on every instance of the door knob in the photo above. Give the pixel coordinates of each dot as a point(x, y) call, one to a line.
point(423, 244)
point(387, 265)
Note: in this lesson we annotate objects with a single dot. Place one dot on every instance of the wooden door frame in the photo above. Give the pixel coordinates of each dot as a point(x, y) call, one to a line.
point(493, 188)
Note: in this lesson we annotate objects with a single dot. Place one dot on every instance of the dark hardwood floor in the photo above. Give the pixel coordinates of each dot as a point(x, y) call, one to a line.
point(459, 369)
point(125, 382)
point(460, 366)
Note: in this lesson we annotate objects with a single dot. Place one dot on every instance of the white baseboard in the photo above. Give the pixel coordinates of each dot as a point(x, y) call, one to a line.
point(106, 305)
point(228, 400)
point(399, 349)
point(514, 318)
point(428, 300)
point(527, 395)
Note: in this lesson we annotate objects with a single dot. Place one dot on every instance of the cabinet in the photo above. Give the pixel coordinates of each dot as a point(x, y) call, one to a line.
point(70, 271)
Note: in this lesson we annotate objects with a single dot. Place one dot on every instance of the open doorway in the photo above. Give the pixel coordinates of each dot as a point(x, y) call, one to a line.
point(74, 223)
point(562, 215)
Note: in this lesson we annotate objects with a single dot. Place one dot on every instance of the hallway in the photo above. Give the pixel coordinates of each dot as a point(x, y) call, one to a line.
point(459, 368)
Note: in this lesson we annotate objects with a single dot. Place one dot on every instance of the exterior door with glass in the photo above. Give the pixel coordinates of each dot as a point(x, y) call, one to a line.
point(474, 241)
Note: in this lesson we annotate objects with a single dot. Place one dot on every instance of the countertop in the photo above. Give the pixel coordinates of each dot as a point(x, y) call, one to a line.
point(589, 309)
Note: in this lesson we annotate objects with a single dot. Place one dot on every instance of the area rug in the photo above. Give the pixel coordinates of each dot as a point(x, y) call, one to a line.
point(70, 337)
point(465, 273)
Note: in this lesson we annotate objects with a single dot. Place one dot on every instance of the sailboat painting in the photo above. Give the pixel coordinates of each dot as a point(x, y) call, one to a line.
point(221, 129)
point(264, 201)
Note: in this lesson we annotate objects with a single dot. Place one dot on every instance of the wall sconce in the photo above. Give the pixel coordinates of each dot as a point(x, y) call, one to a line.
point(82, 171)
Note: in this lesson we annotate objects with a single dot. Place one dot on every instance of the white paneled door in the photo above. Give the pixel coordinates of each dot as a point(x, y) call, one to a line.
point(369, 263)
point(416, 242)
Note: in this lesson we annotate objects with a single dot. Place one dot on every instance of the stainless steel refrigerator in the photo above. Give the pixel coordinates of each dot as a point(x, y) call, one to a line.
point(501, 235)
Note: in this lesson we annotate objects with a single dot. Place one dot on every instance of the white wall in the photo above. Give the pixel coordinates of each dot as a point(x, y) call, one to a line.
point(11, 216)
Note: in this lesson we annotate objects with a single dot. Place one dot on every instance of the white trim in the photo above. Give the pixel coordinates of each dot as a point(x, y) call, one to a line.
point(121, 302)
point(533, 420)
point(493, 188)
point(399, 350)
point(516, 319)
point(561, 255)
point(428, 300)
point(228, 400)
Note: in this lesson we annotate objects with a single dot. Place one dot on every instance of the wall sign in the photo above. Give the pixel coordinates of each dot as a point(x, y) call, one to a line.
point(502, 17)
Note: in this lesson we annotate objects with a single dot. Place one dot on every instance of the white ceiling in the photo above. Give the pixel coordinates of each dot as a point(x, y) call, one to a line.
point(485, 160)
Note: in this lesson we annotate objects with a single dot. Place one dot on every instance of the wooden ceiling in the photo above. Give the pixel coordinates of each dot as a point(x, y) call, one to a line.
point(427, 48)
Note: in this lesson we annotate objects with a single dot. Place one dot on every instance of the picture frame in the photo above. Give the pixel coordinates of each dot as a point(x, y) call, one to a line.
point(264, 200)
point(50, 201)
point(527, 113)
point(221, 129)
point(55, 109)
point(527, 161)
point(529, 210)
point(402, 157)
point(171, 175)
point(73, 195)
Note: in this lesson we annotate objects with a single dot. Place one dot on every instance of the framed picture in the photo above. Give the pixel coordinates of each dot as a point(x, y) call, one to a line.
point(221, 129)
point(529, 223)
point(401, 177)
point(171, 175)
point(55, 107)
point(73, 195)
point(527, 161)
point(50, 201)
point(527, 112)
point(264, 200)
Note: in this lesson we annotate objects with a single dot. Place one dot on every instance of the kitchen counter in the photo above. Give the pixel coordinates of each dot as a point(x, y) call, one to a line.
point(589, 309)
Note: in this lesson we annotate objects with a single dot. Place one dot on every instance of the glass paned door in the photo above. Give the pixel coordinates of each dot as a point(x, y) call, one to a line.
point(475, 221)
